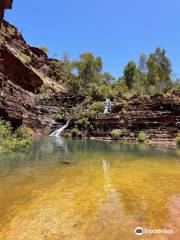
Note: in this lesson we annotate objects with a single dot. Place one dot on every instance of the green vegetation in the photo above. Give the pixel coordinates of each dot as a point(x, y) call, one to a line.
point(45, 49)
point(178, 139)
point(152, 74)
point(83, 123)
point(142, 137)
point(73, 133)
point(23, 133)
point(116, 134)
point(94, 109)
point(45, 92)
point(10, 140)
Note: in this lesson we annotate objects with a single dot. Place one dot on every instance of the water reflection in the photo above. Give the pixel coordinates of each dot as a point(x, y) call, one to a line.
point(104, 191)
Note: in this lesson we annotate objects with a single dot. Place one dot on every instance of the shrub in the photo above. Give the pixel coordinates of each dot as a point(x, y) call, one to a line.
point(10, 141)
point(23, 144)
point(94, 109)
point(142, 137)
point(5, 129)
point(75, 133)
point(8, 144)
point(116, 133)
point(23, 132)
point(45, 92)
point(83, 123)
point(178, 139)
point(102, 91)
point(67, 134)
point(97, 106)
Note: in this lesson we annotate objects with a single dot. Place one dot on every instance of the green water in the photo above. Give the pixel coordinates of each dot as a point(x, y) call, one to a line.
point(87, 190)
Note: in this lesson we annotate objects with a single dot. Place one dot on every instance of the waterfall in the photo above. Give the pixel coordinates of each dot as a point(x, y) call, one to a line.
point(59, 131)
point(107, 106)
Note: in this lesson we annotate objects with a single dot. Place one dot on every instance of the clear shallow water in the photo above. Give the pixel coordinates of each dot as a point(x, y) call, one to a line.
point(83, 190)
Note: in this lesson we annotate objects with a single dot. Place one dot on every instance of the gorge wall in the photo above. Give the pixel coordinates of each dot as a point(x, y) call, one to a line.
point(26, 73)
point(157, 116)
point(24, 70)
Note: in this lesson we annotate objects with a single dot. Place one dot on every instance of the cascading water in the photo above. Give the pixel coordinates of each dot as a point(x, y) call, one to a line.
point(107, 110)
point(107, 106)
point(59, 131)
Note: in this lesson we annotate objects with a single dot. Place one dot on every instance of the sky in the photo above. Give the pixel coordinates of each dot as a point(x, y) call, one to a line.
point(116, 30)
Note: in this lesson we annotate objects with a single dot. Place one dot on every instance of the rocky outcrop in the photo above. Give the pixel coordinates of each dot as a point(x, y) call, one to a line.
point(32, 94)
point(26, 66)
point(158, 116)
point(18, 71)
point(24, 70)
point(5, 4)
point(19, 106)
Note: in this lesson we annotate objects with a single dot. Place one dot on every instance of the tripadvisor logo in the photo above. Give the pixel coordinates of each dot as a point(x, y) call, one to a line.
point(139, 231)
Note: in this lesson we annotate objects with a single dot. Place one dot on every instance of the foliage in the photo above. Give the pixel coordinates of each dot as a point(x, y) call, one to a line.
point(10, 141)
point(45, 49)
point(130, 74)
point(23, 132)
point(151, 75)
point(176, 85)
point(45, 92)
point(178, 139)
point(120, 88)
point(67, 134)
point(116, 133)
point(142, 137)
point(101, 92)
point(91, 111)
point(159, 70)
point(95, 108)
point(83, 123)
point(88, 69)
point(5, 129)
point(75, 133)
point(108, 78)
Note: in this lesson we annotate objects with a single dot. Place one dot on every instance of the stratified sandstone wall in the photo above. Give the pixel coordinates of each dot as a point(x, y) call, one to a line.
point(23, 70)
point(26, 66)
point(158, 116)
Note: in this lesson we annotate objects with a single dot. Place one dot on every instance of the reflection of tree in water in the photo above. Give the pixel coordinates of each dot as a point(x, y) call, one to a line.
point(43, 152)
point(141, 181)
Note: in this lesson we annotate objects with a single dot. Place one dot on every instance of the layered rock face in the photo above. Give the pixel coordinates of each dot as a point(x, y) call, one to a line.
point(23, 71)
point(26, 66)
point(158, 116)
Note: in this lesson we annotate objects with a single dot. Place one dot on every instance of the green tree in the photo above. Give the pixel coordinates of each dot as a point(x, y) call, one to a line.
point(66, 65)
point(120, 87)
point(89, 69)
point(143, 72)
point(176, 85)
point(108, 78)
point(159, 70)
point(130, 74)
point(143, 63)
